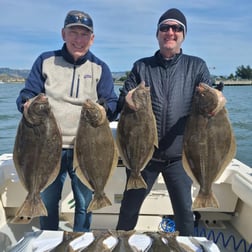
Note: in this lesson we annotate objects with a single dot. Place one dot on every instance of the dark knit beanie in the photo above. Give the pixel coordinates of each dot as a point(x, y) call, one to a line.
point(174, 15)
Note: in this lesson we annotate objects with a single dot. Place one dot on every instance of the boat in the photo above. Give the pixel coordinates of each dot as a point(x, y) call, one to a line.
point(229, 227)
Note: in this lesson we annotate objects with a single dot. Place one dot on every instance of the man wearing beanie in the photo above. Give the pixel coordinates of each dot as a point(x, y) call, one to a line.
point(68, 76)
point(172, 77)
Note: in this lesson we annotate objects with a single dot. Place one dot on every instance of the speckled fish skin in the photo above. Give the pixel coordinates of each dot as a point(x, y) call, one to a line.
point(97, 245)
point(157, 243)
point(96, 154)
point(137, 135)
point(164, 242)
point(209, 143)
point(123, 241)
point(36, 155)
point(68, 237)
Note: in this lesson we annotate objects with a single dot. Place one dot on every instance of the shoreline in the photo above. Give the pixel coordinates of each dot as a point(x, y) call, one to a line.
point(235, 82)
point(226, 82)
point(120, 83)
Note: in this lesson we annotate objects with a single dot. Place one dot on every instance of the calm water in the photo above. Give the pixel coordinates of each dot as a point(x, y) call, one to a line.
point(239, 105)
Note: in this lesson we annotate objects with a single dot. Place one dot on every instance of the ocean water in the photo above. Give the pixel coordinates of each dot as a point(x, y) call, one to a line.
point(239, 105)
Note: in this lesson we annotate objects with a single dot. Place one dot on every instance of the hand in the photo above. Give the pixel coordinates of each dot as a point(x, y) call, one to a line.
point(103, 103)
point(128, 99)
point(26, 106)
point(103, 110)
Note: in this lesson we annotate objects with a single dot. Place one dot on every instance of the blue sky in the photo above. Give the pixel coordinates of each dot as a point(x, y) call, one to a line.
point(219, 31)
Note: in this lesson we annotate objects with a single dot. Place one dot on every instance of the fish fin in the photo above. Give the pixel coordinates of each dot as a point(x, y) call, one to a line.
point(31, 208)
point(204, 245)
point(98, 202)
point(230, 155)
point(75, 159)
point(187, 168)
point(54, 174)
point(115, 160)
point(204, 201)
point(78, 171)
point(155, 132)
point(82, 178)
point(136, 183)
point(120, 151)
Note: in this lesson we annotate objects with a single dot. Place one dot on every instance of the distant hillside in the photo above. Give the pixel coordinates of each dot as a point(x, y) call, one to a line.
point(9, 75)
point(17, 75)
point(14, 72)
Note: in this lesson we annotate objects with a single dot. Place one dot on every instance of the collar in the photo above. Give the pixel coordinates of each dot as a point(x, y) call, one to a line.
point(167, 62)
point(69, 58)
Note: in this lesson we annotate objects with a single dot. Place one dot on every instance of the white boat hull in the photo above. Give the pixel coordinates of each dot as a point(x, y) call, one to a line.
point(233, 191)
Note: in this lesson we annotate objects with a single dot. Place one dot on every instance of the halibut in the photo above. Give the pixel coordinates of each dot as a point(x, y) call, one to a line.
point(36, 155)
point(209, 143)
point(95, 152)
point(136, 135)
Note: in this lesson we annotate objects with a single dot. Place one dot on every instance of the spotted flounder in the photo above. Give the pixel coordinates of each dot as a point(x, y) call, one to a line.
point(209, 143)
point(95, 151)
point(123, 240)
point(136, 135)
point(103, 242)
point(166, 242)
point(36, 155)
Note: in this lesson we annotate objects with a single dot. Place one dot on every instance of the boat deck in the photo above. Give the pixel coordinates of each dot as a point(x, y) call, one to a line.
point(224, 235)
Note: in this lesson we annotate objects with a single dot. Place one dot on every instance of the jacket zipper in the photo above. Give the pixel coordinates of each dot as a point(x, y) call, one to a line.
point(72, 86)
point(164, 112)
point(78, 85)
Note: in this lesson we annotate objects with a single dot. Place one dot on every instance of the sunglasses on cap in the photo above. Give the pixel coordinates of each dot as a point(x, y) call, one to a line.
point(175, 28)
point(78, 19)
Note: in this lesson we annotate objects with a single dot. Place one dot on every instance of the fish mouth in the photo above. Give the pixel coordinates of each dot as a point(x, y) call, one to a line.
point(43, 98)
point(87, 103)
point(38, 108)
point(202, 87)
point(221, 100)
point(93, 113)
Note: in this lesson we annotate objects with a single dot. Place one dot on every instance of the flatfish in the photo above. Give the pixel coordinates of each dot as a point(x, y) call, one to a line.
point(36, 155)
point(68, 237)
point(101, 244)
point(165, 242)
point(136, 135)
point(209, 143)
point(96, 154)
point(123, 241)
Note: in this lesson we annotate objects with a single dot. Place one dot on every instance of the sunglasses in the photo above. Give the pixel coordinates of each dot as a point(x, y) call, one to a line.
point(74, 19)
point(175, 28)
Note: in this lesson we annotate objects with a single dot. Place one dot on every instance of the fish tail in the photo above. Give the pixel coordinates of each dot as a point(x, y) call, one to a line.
point(203, 201)
point(136, 183)
point(98, 202)
point(30, 208)
point(70, 249)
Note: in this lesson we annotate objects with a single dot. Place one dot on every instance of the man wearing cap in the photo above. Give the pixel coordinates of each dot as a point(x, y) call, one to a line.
point(68, 77)
point(172, 77)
